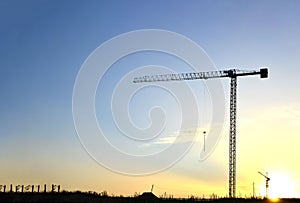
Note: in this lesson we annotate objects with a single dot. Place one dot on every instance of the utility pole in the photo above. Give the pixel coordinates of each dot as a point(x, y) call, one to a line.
point(152, 188)
point(204, 140)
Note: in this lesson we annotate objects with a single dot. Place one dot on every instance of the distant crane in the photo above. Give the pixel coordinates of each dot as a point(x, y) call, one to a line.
point(267, 182)
point(232, 74)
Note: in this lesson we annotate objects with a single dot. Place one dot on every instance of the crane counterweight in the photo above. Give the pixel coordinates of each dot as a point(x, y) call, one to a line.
point(263, 73)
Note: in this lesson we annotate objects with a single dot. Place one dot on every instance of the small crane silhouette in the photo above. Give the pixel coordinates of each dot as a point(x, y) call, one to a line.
point(267, 182)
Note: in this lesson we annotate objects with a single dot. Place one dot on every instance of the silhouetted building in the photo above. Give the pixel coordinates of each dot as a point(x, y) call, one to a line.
point(148, 197)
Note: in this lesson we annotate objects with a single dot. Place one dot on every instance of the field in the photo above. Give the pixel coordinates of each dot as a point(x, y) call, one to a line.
point(79, 197)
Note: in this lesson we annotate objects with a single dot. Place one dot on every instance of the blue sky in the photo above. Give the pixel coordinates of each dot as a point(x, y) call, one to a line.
point(44, 44)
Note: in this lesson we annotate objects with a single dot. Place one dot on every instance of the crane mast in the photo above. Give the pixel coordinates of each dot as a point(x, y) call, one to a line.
point(232, 74)
point(232, 137)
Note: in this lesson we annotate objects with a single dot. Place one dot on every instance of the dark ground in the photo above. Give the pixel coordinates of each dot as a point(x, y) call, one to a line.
point(78, 197)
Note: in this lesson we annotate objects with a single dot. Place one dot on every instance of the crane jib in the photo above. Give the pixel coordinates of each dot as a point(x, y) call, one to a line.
point(232, 73)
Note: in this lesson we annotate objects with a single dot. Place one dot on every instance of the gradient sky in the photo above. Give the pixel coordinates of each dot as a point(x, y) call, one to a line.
point(44, 43)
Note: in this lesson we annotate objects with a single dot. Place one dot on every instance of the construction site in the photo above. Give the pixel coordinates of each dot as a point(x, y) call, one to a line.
point(36, 193)
point(150, 101)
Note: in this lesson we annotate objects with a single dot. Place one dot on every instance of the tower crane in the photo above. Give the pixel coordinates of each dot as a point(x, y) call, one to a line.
point(232, 74)
point(267, 182)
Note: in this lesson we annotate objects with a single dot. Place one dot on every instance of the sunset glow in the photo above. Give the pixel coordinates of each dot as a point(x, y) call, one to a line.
point(147, 134)
point(282, 186)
